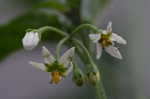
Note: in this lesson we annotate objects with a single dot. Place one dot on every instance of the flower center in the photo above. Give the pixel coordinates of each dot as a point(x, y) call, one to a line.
point(105, 40)
point(56, 78)
point(56, 67)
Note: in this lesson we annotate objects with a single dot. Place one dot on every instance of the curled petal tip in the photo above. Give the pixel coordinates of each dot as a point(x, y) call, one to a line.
point(45, 52)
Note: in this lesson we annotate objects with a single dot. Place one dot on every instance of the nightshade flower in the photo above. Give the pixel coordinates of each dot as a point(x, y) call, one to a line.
point(105, 40)
point(57, 68)
point(30, 40)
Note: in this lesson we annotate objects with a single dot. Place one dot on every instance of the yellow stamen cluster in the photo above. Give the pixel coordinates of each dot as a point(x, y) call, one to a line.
point(105, 40)
point(55, 77)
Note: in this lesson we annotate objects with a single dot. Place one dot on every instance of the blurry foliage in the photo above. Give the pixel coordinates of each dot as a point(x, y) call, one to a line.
point(53, 5)
point(90, 8)
point(76, 11)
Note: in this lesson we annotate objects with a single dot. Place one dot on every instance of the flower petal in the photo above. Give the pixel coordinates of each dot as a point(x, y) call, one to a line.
point(113, 51)
point(118, 39)
point(98, 50)
point(69, 70)
point(95, 37)
point(40, 66)
point(30, 40)
point(48, 57)
point(66, 58)
point(109, 27)
point(104, 32)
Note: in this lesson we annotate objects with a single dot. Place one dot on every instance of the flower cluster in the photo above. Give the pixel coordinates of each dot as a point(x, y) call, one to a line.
point(60, 67)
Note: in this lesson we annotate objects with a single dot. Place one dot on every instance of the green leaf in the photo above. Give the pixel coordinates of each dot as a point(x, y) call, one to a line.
point(73, 3)
point(11, 34)
point(90, 8)
point(74, 13)
point(53, 5)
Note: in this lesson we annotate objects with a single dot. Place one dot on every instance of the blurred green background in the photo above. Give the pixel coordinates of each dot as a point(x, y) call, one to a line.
point(125, 79)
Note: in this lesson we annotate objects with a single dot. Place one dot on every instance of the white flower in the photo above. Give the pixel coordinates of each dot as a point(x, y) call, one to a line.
point(30, 40)
point(57, 68)
point(105, 40)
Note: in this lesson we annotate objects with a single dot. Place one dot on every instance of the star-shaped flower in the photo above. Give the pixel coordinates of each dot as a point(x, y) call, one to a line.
point(58, 68)
point(105, 40)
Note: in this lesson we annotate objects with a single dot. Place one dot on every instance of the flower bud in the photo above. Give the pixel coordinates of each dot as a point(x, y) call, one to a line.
point(30, 40)
point(93, 75)
point(78, 76)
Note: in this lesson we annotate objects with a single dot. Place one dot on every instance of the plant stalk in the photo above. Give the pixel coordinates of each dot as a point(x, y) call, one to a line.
point(59, 46)
point(100, 91)
point(99, 86)
point(86, 26)
point(50, 28)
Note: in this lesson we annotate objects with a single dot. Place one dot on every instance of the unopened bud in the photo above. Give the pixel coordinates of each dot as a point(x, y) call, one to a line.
point(78, 76)
point(31, 40)
point(93, 75)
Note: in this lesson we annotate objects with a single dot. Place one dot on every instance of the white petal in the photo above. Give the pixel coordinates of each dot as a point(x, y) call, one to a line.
point(40, 66)
point(98, 50)
point(48, 57)
point(66, 58)
point(113, 51)
point(30, 40)
point(118, 39)
point(109, 27)
point(104, 32)
point(69, 70)
point(95, 37)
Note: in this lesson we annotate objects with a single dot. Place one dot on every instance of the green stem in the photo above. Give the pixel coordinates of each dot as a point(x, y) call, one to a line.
point(87, 26)
point(85, 50)
point(99, 86)
point(80, 52)
point(50, 28)
point(100, 90)
point(60, 45)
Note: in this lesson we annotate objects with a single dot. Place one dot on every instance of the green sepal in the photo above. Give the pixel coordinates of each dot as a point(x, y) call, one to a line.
point(78, 76)
point(56, 67)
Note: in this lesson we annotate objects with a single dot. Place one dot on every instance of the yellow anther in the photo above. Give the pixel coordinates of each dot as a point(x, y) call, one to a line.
point(55, 77)
point(105, 40)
